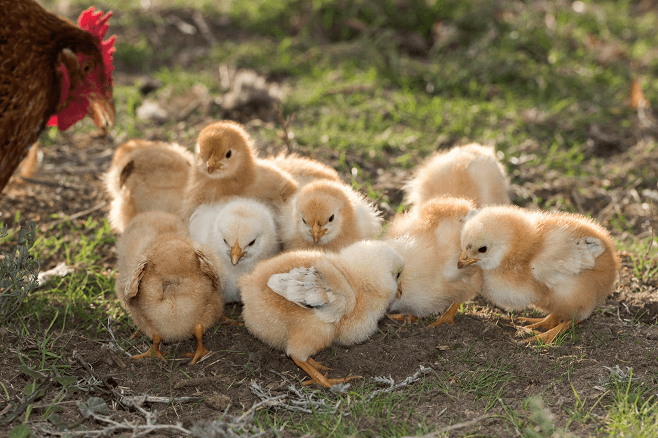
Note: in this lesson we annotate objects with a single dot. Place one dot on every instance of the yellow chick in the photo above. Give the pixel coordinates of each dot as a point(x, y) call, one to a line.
point(327, 215)
point(167, 283)
point(146, 176)
point(226, 165)
point(564, 264)
point(304, 170)
point(303, 301)
point(241, 232)
point(471, 171)
point(428, 239)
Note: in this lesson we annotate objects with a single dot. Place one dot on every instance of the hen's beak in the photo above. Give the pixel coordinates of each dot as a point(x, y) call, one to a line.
point(317, 232)
point(465, 261)
point(236, 253)
point(101, 110)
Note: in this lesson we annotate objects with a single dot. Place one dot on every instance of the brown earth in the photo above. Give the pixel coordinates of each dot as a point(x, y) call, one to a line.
point(622, 333)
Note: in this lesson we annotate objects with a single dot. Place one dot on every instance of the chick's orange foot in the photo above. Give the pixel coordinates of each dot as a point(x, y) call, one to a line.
point(154, 351)
point(309, 366)
point(448, 316)
point(200, 349)
point(400, 317)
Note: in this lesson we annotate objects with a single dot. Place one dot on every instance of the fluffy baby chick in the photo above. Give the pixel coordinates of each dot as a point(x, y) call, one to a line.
point(303, 301)
point(226, 165)
point(327, 215)
point(471, 171)
point(304, 170)
point(428, 239)
point(146, 176)
point(167, 283)
point(564, 264)
point(241, 232)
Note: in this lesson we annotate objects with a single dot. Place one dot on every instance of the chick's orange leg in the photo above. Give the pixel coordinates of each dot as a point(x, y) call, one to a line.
point(200, 349)
point(403, 318)
point(549, 336)
point(448, 316)
point(547, 323)
point(317, 365)
point(155, 350)
point(317, 377)
point(228, 321)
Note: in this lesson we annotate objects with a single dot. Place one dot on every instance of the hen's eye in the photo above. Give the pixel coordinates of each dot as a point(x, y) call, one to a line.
point(228, 154)
point(331, 218)
point(482, 249)
point(252, 242)
point(86, 68)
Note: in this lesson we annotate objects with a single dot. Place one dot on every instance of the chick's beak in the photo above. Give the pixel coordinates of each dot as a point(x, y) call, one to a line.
point(317, 232)
point(465, 261)
point(101, 110)
point(236, 253)
point(211, 168)
point(398, 294)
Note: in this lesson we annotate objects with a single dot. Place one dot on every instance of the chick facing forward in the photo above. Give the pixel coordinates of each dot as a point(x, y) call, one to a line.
point(303, 301)
point(226, 165)
point(428, 239)
point(241, 233)
point(146, 176)
point(167, 283)
point(471, 171)
point(327, 215)
point(305, 170)
point(563, 264)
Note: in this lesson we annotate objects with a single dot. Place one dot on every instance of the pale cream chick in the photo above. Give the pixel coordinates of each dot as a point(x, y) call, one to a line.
point(564, 264)
point(241, 232)
point(146, 176)
point(305, 170)
point(226, 165)
point(327, 215)
point(303, 301)
point(168, 284)
point(428, 239)
point(471, 171)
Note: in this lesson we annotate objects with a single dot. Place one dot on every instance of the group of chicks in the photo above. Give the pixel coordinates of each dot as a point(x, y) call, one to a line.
point(303, 253)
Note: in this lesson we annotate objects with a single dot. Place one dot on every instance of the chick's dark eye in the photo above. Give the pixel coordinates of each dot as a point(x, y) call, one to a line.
point(398, 276)
point(225, 241)
point(331, 218)
point(303, 220)
point(228, 154)
point(252, 242)
point(482, 249)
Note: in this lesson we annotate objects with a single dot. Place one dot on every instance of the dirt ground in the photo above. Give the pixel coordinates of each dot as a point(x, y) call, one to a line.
point(622, 333)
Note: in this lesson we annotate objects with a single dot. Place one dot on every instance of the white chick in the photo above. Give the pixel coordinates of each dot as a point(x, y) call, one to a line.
point(305, 170)
point(564, 264)
point(303, 301)
point(241, 232)
point(471, 171)
point(327, 215)
point(146, 176)
point(226, 165)
point(168, 284)
point(428, 239)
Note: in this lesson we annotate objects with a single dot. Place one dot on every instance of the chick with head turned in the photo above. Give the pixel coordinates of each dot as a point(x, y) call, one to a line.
point(241, 233)
point(226, 165)
point(563, 264)
point(167, 283)
point(303, 301)
point(305, 170)
point(327, 215)
point(428, 239)
point(471, 171)
point(146, 176)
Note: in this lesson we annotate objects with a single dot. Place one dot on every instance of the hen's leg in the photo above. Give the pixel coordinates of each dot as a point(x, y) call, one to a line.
point(155, 350)
point(200, 349)
point(448, 316)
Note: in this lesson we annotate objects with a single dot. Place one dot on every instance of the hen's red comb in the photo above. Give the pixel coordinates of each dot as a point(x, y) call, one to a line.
point(97, 24)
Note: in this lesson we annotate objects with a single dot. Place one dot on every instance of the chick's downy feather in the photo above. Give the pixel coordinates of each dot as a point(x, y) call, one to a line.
point(146, 176)
point(241, 233)
point(305, 170)
point(303, 301)
point(52, 72)
point(471, 171)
